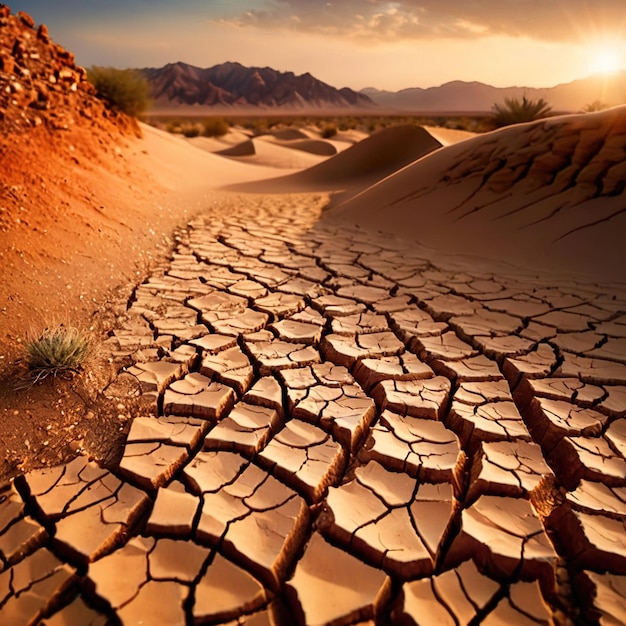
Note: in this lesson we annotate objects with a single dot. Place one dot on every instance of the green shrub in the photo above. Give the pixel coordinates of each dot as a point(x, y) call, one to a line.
point(215, 127)
point(126, 90)
point(516, 111)
point(59, 351)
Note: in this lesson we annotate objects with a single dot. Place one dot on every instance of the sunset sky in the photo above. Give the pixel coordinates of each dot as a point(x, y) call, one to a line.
point(354, 43)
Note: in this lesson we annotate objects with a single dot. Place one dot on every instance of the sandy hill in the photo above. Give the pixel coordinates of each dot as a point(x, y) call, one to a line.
point(86, 205)
point(362, 164)
point(87, 208)
point(264, 152)
point(547, 194)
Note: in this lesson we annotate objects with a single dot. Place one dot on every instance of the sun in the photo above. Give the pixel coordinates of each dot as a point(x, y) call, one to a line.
point(605, 61)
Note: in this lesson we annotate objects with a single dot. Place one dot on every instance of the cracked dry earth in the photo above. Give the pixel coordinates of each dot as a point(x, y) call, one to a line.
point(340, 431)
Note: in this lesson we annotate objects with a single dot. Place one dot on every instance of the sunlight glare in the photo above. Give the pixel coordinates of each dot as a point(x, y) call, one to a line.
point(606, 61)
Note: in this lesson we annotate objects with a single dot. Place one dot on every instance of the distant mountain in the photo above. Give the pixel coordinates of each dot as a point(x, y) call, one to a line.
point(459, 96)
point(231, 85)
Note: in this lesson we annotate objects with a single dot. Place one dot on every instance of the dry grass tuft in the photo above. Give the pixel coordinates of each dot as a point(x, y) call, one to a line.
point(57, 352)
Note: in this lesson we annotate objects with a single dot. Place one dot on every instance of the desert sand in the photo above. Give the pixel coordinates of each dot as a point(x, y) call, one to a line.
point(544, 195)
point(311, 408)
point(356, 168)
point(365, 380)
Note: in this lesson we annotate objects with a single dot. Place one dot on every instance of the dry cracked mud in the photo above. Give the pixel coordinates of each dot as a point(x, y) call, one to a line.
point(340, 430)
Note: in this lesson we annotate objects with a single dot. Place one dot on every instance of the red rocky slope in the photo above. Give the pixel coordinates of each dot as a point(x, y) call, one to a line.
point(40, 83)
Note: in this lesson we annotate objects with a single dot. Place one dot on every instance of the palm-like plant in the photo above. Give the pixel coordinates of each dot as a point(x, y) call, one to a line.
point(516, 111)
point(596, 105)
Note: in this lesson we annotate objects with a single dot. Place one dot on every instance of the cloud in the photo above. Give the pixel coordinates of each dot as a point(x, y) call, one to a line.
point(550, 20)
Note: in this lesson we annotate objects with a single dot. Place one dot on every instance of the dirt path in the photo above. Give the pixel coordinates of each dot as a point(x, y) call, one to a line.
point(332, 427)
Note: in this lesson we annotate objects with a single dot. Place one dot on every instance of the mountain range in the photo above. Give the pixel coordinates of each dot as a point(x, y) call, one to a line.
point(234, 86)
point(475, 97)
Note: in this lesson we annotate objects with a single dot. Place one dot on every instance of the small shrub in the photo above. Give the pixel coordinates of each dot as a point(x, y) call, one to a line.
point(174, 128)
point(328, 131)
point(126, 90)
point(596, 105)
point(515, 111)
point(215, 127)
point(59, 351)
point(258, 126)
point(191, 131)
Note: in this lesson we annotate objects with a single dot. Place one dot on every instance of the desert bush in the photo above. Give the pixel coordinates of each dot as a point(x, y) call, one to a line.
point(596, 105)
point(460, 123)
point(516, 111)
point(258, 126)
point(215, 127)
point(348, 124)
point(59, 351)
point(328, 131)
point(191, 131)
point(174, 127)
point(126, 90)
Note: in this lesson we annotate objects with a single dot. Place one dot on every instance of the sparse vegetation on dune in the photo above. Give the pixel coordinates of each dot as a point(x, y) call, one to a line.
point(191, 131)
point(327, 125)
point(126, 90)
point(516, 111)
point(215, 127)
point(328, 131)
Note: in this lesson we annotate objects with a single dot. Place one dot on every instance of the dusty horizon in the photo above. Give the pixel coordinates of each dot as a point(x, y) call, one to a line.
point(358, 44)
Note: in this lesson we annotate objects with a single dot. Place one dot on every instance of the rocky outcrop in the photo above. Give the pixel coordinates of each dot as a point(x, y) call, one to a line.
point(40, 83)
point(233, 85)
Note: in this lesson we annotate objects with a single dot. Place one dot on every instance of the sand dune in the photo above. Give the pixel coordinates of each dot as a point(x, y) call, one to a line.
point(238, 144)
point(265, 154)
point(549, 193)
point(319, 147)
point(449, 136)
point(290, 134)
point(233, 137)
point(245, 148)
point(194, 165)
point(351, 136)
point(363, 164)
point(102, 229)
